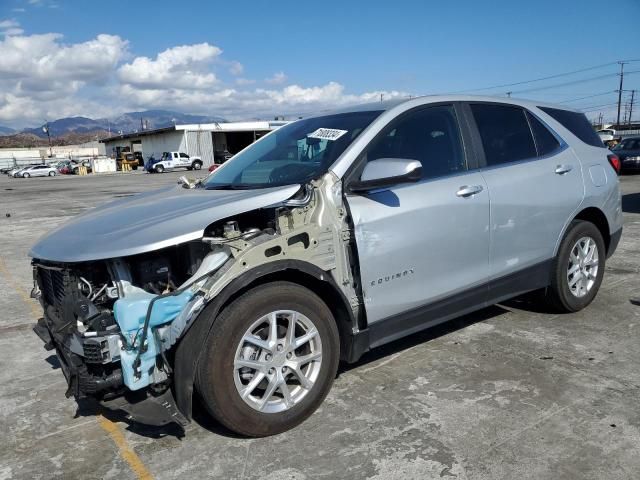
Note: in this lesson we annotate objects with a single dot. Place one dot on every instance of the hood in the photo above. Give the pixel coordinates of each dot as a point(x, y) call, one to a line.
point(150, 221)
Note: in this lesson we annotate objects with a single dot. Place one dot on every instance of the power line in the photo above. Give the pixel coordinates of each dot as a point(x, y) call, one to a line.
point(588, 96)
point(598, 107)
point(575, 82)
point(566, 84)
point(547, 77)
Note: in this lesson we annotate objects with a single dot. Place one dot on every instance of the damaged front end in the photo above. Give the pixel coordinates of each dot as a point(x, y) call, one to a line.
point(112, 323)
point(116, 323)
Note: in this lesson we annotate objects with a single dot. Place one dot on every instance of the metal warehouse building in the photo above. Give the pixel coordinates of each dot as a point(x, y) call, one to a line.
point(200, 140)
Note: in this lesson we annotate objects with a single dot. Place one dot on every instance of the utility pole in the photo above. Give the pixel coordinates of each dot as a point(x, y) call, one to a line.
point(633, 94)
point(509, 94)
point(620, 91)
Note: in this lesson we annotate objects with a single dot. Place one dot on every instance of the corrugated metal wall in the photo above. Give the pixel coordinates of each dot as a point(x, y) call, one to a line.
point(200, 143)
point(162, 142)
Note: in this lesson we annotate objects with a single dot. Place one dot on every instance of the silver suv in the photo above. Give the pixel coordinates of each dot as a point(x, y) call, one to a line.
point(328, 237)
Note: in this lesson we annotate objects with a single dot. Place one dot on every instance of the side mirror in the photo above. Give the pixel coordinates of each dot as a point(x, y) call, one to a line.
point(386, 172)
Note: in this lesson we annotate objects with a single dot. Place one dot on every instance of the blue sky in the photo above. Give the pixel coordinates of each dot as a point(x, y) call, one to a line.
point(259, 58)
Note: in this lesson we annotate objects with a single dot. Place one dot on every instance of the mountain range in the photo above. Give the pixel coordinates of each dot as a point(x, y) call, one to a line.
point(125, 123)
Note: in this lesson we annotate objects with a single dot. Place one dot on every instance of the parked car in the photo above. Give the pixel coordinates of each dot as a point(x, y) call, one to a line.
point(72, 167)
point(213, 166)
point(36, 171)
point(330, 236)
point(13, 171)
point(172, 160)
point(628, 151)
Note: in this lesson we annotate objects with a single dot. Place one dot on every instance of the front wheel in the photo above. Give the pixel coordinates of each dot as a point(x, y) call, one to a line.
point(25, 175)
point(270, 359)
point(578, 268)
point(159, 168)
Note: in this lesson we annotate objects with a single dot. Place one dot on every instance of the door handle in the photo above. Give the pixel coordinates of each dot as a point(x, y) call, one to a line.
point(469, 190)
point(562, 169)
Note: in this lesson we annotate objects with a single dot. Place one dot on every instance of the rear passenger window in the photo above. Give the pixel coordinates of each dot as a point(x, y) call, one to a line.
point(430, 135)
point(504, 132)
point(546, 142)
point(576, 123)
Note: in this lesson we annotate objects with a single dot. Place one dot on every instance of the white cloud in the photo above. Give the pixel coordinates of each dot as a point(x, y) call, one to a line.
point(186, 66)
point(277, 79)
point(43, 77)
point(44, 59)
point(10, 27)
point(236, 68)
point(40, 75)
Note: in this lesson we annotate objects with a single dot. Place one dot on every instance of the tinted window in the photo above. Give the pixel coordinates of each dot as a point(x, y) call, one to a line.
point(504, 132)
point(546, 142)
point(430, 135)
point(175, 155)
point(184, 155)
point(576, 123)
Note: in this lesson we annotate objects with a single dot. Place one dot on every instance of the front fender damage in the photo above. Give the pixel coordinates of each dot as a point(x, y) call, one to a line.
point(163, 334)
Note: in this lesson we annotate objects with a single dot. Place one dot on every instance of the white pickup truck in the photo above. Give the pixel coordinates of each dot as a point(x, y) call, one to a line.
point(171, 160)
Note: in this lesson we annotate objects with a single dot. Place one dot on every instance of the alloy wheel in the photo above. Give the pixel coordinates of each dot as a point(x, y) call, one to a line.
point(582, 268)
point(277, 361)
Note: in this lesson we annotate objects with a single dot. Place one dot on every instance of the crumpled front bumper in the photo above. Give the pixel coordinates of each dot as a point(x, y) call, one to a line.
point(146, 406)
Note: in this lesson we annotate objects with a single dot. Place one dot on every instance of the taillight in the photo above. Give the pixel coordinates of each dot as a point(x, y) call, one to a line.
point(614, 161)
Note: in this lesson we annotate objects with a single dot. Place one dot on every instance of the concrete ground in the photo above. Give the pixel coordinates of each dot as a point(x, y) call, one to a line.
point(507, 392)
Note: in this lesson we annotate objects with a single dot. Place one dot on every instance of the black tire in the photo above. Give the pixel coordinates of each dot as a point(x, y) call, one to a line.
point(159, 168)
point(52, 174)
point(558, 294)
point(215, 376)
point(25, 175)
point(196, 165)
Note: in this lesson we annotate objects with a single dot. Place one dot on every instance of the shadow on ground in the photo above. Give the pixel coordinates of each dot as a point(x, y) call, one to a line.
point(87, 407)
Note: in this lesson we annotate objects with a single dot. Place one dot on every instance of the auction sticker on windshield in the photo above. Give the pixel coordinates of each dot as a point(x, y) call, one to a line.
point(327, 134)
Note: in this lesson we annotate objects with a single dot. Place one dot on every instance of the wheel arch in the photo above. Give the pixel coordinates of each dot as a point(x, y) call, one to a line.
point(191, 345)
point(593, 215)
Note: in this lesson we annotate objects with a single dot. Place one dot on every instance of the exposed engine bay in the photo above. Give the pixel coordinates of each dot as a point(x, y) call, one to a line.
point(114, 323)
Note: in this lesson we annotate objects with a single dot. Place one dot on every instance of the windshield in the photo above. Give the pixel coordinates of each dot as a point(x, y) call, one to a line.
point(295, 153)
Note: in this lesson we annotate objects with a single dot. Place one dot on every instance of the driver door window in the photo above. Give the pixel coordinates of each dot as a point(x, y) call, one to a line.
point(430, 135)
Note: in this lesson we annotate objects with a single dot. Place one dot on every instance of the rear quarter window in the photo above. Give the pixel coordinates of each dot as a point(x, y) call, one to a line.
point(576, 123)
point(505, 133)
point(546, 142)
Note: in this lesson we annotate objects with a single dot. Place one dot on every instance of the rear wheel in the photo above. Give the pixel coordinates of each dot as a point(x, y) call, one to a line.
point(578, 268)
point(52, 174)
point(270, 359)
point(159, 168)
point(196, 165)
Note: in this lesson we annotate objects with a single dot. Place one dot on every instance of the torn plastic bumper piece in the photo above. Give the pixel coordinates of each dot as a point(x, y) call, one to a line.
point(147, 408)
